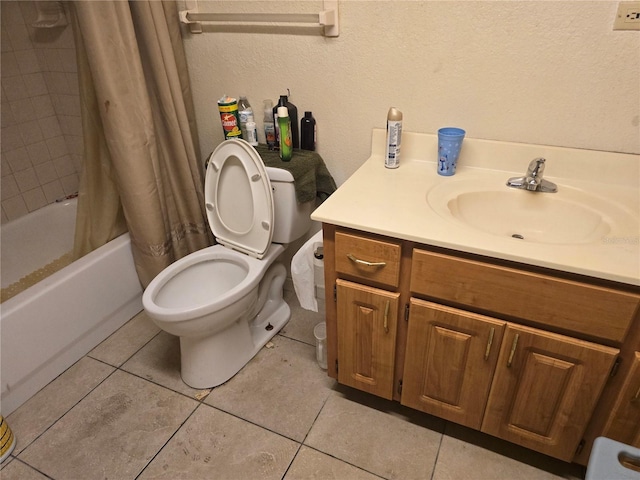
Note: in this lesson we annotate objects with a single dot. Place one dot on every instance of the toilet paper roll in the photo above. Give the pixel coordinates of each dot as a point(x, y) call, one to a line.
point(302, 273)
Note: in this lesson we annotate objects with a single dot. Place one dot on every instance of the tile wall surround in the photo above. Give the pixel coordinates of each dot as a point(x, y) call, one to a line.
point(41, 142)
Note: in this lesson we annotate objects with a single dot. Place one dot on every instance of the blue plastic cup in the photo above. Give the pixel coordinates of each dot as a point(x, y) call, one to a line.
point(449, 144)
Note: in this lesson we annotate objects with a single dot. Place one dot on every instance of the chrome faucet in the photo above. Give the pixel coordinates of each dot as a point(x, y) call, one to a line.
point(533, 180)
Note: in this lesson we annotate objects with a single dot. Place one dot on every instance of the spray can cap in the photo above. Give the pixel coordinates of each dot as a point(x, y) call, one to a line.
point(394, 115)
point(283, 112)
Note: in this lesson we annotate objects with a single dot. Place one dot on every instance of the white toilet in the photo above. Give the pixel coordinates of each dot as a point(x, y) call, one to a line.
point(225, 301)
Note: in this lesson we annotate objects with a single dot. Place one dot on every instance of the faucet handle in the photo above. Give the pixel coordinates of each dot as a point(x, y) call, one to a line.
point(536, 167)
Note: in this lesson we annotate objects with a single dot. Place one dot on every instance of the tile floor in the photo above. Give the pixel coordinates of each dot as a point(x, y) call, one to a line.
point(122, 412)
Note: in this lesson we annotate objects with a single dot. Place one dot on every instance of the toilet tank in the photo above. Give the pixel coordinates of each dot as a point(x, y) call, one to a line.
point(292, 219)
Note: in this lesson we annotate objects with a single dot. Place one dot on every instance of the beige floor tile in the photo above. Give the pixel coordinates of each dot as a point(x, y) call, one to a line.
point(468, 454)
point(16, 470)
point(112, 433)
point(126, 341)
point(214, 444)
point(159, 362)
point(311, 464)
point(383, 444)
point(40, 412)
point(300, 327)
point(281, 389)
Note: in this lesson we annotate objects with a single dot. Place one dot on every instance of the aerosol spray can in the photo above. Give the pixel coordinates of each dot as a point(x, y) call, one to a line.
point(394, 138)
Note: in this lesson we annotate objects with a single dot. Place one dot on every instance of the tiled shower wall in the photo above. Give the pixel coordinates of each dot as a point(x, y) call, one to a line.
point(41, 143)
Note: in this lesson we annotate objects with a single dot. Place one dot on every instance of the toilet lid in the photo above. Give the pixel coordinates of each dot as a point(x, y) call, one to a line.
point(238, 198)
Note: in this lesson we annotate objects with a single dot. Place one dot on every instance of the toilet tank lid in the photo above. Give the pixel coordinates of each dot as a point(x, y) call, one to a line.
point(279, 174)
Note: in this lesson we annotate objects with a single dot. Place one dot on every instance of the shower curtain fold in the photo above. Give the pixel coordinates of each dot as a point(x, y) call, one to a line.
point(143, 170)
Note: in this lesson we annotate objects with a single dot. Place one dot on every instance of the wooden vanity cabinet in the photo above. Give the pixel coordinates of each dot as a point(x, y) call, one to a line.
point(367, 325)
point(450, 360)
point(623, 423)
point(367, 311)
point(516, 353)
point(544, 389)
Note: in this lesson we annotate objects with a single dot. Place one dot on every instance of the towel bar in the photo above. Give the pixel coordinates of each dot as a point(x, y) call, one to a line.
point(327, 18)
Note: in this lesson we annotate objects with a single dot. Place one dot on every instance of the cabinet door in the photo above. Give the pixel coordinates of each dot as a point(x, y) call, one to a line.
point(624, 422)
point(450, 360)
point(544, 389)
point(367, 325)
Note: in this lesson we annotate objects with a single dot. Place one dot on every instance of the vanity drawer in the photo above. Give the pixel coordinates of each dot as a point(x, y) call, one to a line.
point(367, 258)
point(572, 306)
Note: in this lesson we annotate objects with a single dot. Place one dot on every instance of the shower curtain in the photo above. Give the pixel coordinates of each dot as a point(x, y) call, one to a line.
point(142, 169)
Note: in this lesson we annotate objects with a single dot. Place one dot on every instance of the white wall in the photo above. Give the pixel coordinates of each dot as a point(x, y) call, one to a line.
point(544, 72)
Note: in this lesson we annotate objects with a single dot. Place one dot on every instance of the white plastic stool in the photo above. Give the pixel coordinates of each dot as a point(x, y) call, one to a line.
point(608, 458)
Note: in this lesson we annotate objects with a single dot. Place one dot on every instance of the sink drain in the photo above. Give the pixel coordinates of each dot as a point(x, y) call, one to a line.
point(518, 236)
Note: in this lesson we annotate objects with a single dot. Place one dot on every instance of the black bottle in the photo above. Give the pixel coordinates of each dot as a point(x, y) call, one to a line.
point(293, 115)
point(308, 132)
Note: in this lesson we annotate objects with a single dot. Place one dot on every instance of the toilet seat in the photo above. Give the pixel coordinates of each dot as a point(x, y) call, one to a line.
point(238, 198)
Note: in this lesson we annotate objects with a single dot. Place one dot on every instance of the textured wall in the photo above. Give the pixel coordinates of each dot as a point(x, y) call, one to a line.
point(544, 72)
point(41, 123)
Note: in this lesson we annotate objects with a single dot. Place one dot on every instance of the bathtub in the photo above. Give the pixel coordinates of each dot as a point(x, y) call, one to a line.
point(49, 326)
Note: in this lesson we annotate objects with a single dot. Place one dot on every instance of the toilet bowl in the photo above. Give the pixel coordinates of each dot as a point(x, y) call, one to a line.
point(225, 302)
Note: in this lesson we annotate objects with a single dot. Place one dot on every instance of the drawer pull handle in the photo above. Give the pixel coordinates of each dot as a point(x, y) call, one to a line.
point(386, 318)
point(489, 343)
point(513, 350)
point(364, 262)
point(636, 397)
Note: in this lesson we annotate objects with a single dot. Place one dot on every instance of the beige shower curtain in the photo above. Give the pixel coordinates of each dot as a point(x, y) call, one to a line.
point(142, 169)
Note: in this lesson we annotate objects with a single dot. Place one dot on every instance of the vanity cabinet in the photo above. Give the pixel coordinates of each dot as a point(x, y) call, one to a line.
point(367, 325)
point(520, 353)
point(623, 424)
point(545, 389)
point(450, 360)
point(367, 316)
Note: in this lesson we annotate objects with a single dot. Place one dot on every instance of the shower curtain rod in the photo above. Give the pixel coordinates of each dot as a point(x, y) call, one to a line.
point(327, 18)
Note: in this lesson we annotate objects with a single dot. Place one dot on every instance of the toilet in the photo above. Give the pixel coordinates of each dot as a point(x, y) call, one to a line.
point(225, 301)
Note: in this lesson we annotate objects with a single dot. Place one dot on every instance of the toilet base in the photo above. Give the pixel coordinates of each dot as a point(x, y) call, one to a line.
point(207, 362)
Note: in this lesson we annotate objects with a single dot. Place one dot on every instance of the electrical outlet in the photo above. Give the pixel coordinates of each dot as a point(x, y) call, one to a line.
point(628, 16)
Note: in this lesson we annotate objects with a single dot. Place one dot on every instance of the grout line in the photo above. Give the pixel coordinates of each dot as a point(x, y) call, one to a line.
point(435, 461)
point(28, 465)
point(167, 442)
point(325, 453)
point(66, 412)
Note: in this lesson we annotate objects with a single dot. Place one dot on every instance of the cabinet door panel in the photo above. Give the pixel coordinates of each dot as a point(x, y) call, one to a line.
point(367, 325)
point(624, 421)
point(450, 360)
point(544, 390)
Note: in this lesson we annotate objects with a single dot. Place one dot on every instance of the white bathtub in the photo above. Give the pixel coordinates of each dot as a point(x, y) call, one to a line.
point(51, 325)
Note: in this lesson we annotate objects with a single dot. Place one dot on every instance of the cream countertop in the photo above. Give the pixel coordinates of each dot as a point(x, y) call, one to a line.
point(393, 202)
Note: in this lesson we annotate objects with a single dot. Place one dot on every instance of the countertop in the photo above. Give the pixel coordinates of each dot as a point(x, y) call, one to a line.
point(393, 202)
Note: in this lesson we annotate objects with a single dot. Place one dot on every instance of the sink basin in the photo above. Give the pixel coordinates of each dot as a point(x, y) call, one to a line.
point(570, 216)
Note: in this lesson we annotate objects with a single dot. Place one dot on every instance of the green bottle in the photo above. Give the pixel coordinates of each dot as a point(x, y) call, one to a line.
point(286, 145)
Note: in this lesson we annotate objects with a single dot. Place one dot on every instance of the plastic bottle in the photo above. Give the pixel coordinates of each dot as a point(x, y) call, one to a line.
point(269, 126)
point(394, 138)
point(252, 133)
point(308, 132)
point(286, 144)
point(293, 117)
point(245, 112)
